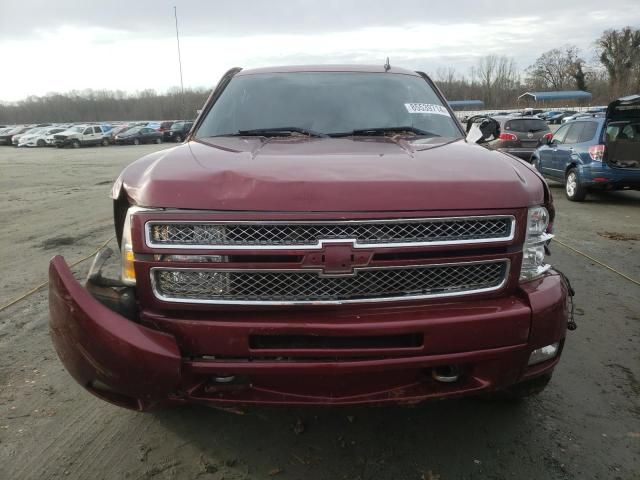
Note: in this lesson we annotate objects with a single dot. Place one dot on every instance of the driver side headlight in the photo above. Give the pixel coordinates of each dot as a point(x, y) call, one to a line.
point(536, 238)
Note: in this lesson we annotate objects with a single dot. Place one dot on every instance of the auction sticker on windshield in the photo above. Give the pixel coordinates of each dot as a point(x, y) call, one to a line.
point(426, 108)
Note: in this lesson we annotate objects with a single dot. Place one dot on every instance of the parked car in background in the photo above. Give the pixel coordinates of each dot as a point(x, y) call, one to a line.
point(49, 139)
point(550, 113)
point(595, 152)
point(161, 126)
point(15, 140)
point(519, 136)
point(81, 135)
point(557, 118)
point(118, 129)
point(5, 138)
point(178, 131)
point(37, 136)
point(3, 131)
point(138, 135)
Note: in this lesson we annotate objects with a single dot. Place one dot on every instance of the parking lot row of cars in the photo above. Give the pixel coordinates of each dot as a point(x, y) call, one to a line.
point(87, 134)
point(598, 149)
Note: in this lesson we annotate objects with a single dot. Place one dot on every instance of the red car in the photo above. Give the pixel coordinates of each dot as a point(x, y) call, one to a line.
point(325, 236)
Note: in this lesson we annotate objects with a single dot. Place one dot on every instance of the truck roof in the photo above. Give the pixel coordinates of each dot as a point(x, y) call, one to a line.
point(327, 68)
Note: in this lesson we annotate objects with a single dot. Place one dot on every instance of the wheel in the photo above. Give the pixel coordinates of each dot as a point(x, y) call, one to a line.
point(40, 143)
point(105, 142)
point(572, 187)
point(178, 138)
point(75, 144)
point(136, 141)
point(158, 140)
point(521, 390)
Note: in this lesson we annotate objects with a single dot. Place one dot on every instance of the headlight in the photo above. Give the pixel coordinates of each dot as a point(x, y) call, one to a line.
point(128, 273)
point(536, 238)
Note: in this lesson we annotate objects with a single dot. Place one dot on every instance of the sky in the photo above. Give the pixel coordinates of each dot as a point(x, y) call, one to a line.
point(57, 46)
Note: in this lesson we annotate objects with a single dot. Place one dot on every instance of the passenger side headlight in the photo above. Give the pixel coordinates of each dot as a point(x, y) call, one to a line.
point(128, 274)
point(536, 238)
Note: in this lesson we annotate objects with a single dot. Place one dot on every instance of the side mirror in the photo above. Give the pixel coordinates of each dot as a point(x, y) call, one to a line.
point(482, 129)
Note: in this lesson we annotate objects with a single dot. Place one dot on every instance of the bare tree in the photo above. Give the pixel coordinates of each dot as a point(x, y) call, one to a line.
point(557, 69)
point(498, 79)
point(619, 53)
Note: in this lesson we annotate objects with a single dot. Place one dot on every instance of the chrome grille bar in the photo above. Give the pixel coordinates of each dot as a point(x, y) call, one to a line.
point(309, 235)
point(309, 287)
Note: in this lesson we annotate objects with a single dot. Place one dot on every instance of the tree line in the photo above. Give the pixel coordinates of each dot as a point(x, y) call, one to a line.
point(614, 71)
point(105, 105)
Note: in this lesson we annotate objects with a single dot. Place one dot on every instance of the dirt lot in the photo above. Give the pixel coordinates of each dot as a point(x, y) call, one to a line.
point(586, 425)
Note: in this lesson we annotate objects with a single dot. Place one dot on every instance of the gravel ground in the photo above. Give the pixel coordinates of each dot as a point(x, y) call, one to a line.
point(586, 425)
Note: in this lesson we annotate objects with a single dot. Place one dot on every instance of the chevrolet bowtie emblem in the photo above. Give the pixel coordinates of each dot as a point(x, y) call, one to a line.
point(337, 257)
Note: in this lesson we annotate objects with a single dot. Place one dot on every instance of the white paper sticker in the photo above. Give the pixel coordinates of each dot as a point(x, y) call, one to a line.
point(426, 108)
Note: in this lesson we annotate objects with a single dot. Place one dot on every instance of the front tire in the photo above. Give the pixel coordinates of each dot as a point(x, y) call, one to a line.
point(75, 144)
point(105, 142)
point(136, 141)
point(158, 141)
point(575, 191)
point(40, 143)
point(178, 138)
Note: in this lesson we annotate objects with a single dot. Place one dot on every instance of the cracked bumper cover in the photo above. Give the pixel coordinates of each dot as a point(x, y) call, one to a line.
point(138, 367)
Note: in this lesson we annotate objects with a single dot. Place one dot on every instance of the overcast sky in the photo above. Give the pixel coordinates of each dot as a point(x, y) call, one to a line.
point(60, 45)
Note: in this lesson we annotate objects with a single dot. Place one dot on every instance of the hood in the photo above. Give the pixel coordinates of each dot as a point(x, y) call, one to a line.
point(625, 108)
point(330, 174)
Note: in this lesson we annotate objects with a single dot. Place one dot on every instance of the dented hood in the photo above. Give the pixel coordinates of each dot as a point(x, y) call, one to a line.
point(330, 174)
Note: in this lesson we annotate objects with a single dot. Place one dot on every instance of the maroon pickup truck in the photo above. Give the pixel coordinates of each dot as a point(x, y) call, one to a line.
point(325, 236)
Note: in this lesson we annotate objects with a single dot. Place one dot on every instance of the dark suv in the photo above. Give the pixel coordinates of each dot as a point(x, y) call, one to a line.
point(520, 136)
point(178, 131)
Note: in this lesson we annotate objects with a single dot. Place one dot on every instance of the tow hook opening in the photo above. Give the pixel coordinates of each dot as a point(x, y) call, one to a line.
point(446, 373)
point(226, 382)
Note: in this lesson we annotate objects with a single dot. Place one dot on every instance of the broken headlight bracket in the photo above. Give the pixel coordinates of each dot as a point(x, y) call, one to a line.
point(112, 293)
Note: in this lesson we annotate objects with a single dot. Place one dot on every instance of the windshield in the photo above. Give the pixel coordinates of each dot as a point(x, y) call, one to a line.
point(79, 129)
point(328, 103)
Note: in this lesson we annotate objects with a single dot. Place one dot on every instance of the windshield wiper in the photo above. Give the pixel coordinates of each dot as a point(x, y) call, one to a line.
point(382, 131)
point(275, 132)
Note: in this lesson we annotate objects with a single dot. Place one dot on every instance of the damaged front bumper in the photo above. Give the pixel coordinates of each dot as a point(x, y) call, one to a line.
point(139, 367)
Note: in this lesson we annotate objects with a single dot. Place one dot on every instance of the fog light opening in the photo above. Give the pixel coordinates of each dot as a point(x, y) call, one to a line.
point(543, 354)
point(446, 373)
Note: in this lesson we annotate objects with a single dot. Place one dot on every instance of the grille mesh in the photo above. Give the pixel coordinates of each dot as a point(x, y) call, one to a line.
point(307, 234)
point(308, 286)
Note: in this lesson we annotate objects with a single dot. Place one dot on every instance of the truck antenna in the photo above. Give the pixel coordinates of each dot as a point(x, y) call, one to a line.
point(175, 14)
point(387, 65)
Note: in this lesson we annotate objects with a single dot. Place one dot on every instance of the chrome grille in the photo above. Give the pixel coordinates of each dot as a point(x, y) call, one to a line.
point(309, 235)
point(309, 286)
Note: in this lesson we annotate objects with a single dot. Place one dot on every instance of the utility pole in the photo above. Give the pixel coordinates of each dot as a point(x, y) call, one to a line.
point(175, 14)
